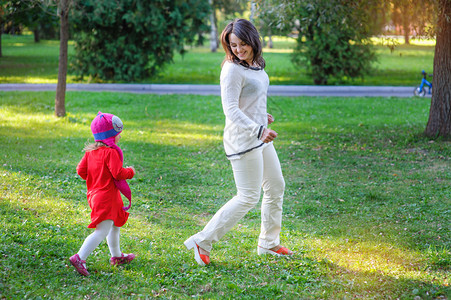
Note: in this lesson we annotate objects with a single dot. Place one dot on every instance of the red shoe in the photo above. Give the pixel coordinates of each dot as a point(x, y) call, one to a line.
point(201, 259)
point(116, 261)
point(281, 252)
point(80, 265)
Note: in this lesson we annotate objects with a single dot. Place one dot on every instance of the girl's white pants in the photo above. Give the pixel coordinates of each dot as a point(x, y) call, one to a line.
point(104, 229)
point(255, 170)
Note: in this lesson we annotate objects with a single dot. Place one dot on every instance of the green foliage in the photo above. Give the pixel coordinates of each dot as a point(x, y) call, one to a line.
point(332, 36)
point(366, 206)
point(333, 40)
point(39, 16)
point(421, 16)
point(270, 21)
point(128, 40)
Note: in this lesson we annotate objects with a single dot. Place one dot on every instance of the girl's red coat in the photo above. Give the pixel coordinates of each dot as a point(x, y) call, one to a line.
point(99, 168)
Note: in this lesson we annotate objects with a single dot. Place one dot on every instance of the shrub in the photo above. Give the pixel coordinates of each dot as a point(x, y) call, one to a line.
point(127, 40)
point(333, 39)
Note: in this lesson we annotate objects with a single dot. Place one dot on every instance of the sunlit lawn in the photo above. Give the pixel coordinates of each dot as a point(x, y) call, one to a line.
point(366, 206)
point(27, 62)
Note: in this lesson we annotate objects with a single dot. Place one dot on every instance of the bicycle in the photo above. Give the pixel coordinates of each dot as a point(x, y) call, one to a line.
point(421, 89)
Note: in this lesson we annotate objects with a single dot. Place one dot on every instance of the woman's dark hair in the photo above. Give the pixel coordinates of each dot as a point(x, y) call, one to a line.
point(246, 32)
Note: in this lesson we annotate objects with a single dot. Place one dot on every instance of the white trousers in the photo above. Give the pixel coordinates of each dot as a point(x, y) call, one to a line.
point(104, 229)
point(255, 170)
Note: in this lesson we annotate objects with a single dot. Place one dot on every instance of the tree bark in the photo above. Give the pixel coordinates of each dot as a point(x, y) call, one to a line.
point(214, 29)
point(1, 31)
point(253, 10)
point(36, 32)
point(60, 106)
point(406, 29)
point(439, 123)
point(270, 43)
point(406, 22)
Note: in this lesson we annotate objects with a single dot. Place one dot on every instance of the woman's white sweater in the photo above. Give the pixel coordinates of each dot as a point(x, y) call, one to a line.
point(243, 93)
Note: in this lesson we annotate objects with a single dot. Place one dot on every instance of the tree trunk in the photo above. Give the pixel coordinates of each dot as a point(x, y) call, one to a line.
point(406, 35)
point(406, 23)
point(36, 31)
point(439, 123)
point(270, 43)
point(214, 29)
point(60, 106)
point(1, 31)
point(253, 10)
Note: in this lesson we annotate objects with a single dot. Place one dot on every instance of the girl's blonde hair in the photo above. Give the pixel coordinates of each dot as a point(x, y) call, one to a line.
point(93, 146)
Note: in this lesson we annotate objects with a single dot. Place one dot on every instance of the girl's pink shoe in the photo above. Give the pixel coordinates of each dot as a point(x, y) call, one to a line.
point(80, 265)
point(123, 259)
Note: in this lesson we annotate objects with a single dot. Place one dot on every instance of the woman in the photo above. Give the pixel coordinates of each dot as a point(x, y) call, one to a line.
point(248, 145)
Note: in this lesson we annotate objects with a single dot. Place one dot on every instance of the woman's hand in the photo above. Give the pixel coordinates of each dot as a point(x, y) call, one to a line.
point(268, 135)
point(270, 119)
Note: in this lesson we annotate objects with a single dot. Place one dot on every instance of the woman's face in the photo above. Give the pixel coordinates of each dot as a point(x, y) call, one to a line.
point(242, 50)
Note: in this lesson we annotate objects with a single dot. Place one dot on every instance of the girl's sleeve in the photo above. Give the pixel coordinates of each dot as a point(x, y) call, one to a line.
point(232, 81)
point(114, 164)
point(82, 167)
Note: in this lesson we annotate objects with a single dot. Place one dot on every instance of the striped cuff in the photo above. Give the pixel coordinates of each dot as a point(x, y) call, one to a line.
point(260, 132)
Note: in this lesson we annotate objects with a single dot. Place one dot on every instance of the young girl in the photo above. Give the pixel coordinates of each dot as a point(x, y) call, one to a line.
point(101, 167)
point(248, 145)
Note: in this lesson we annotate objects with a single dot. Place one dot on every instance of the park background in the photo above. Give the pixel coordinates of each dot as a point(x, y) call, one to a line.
point(367, 199)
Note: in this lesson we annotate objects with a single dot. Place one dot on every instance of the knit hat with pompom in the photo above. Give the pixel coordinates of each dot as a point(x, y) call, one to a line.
point(105, 128)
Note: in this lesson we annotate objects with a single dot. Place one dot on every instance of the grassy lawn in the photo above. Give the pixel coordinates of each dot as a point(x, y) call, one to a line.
point(27, 62)
point(367, 203)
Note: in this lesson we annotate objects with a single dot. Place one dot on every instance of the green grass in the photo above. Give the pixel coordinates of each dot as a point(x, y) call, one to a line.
point(27, 62)
point(366, 206)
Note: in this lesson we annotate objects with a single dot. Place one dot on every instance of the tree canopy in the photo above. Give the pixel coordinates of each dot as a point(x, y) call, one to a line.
point(128, 40)
point(332, 35)
point(37, 15)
